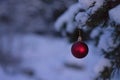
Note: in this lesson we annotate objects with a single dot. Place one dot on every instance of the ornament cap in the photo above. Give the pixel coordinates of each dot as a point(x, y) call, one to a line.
point(79, 38)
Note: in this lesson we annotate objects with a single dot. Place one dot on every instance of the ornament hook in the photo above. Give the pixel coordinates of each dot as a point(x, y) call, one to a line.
point(79, 35)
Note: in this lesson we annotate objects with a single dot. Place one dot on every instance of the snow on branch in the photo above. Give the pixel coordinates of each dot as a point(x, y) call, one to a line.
point(77, 14)
point(115, 14)
point(67, 18)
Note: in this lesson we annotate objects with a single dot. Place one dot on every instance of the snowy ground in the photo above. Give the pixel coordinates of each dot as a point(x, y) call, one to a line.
point(50, 58)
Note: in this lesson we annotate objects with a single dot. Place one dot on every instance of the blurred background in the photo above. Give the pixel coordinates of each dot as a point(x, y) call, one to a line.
point(36, 38)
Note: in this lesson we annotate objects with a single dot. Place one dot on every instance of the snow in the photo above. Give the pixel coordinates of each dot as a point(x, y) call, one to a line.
point(46, 56)
point(114, 14)
point(67, 18)
point(4, 76)
point(88, 3)
point(81, 17)
point(74, 17)
point(106, 41)
point(96, 32)
point(102, 64)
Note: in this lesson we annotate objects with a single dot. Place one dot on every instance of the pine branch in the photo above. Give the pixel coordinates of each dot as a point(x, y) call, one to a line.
point(101, 15)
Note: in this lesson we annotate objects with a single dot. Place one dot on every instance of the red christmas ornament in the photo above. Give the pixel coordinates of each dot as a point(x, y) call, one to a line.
point(79, 49)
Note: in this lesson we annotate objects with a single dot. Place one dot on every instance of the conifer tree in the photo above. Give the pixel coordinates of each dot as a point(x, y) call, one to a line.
point(100, 24)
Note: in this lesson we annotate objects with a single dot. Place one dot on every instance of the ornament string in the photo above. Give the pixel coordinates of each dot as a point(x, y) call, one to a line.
point(79, 35)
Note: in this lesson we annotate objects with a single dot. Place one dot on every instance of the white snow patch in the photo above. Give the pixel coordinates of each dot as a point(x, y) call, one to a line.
point(106, 41)
point(46, 56)
point(115, 14)
point(102, 64)
point(67, 18)
point(81, 18)
point(95, 32)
